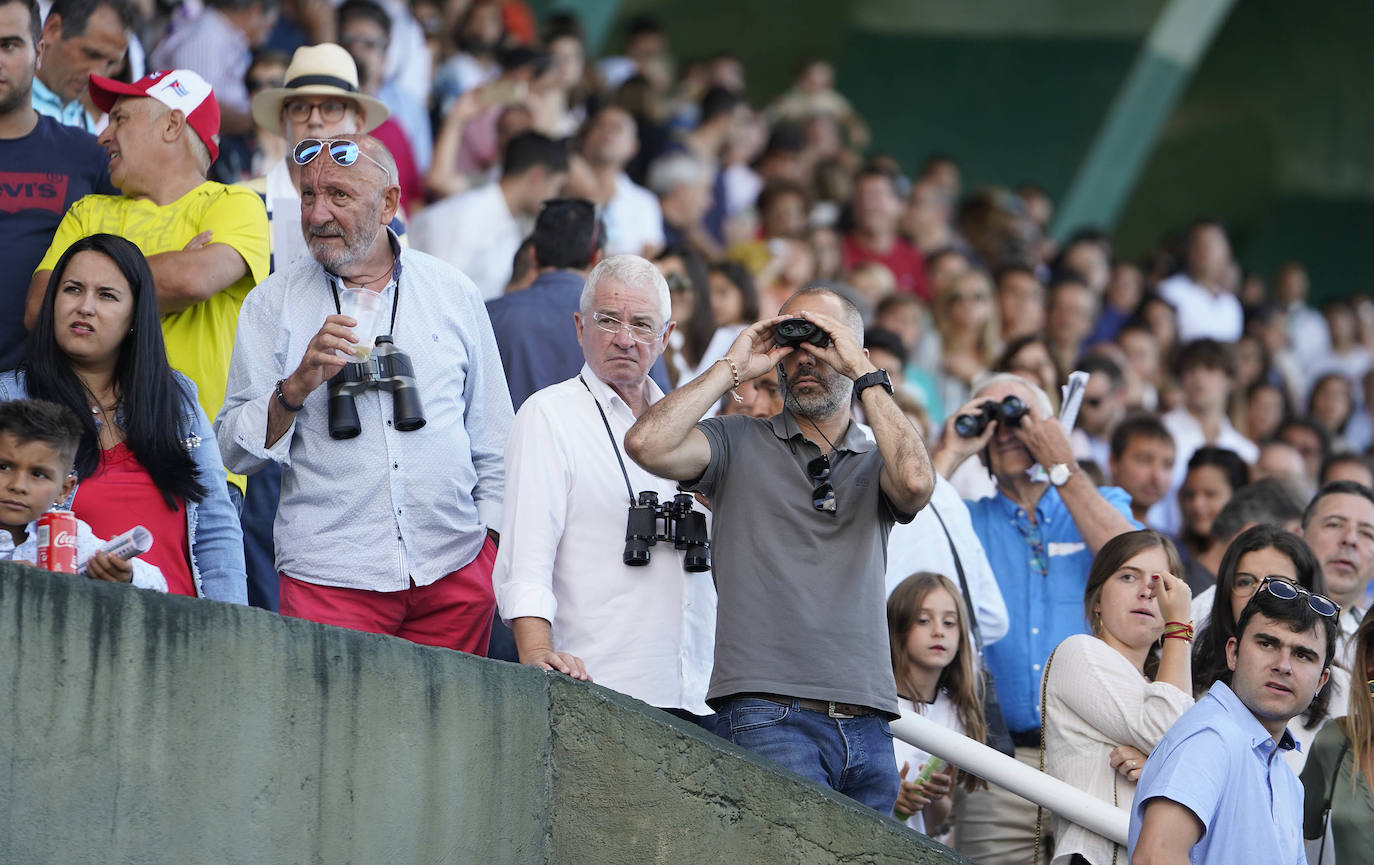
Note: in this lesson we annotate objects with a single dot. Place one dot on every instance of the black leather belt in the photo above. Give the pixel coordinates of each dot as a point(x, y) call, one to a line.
point(828, 707)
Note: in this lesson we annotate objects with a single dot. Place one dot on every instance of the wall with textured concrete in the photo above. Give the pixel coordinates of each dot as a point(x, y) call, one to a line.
point(152, 729)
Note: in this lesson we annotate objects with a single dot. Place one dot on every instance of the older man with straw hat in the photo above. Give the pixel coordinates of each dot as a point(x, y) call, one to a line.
point(319, 99)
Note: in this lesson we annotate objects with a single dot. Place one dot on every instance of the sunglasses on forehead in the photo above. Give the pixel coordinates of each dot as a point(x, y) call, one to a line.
point(1281, 588)
point(342, 151)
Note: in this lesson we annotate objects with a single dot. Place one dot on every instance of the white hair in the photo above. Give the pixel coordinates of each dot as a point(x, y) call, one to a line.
point(1043, 407)
point(631, 271)
point(673, 170)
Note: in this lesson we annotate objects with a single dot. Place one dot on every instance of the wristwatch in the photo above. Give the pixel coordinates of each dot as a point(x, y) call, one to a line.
point(1059, 474)
point(868, 380)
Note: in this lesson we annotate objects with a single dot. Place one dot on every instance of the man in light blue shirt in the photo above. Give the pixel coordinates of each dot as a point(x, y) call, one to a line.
point(389, 529)
point(80, 38)
point(1040, 533)
point(1214, 790)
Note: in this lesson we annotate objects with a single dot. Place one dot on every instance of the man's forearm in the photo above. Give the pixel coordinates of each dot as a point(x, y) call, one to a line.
point(906, 463)
point(664, 427)
point(1097, 521)
point(279, 418)
point(533, 637)
point(186, 277)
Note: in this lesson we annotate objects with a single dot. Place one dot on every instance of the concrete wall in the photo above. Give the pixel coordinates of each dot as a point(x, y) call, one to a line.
point(149, 729)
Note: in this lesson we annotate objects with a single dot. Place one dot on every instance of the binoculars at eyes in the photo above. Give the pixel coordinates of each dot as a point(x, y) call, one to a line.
point(387, 368)
point(795, 331)
point(683, 526)
point(1009, 411)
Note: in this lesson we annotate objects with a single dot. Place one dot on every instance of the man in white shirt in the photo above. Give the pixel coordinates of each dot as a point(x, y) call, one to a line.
point(1308, 333)
point(1339, 527)
point(480, 230)
point(387, 514)
point(633, 219)
point(1200, 294)
point(560, 578)
point(1207, 371)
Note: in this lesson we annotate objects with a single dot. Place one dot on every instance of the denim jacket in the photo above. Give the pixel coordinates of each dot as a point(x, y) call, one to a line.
point(212, 525)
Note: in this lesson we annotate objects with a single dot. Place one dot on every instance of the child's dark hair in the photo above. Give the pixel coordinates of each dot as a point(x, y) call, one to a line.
point(37, 420)
point(961, 677)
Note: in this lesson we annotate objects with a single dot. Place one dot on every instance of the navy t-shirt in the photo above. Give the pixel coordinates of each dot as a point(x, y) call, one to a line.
point(41, 175)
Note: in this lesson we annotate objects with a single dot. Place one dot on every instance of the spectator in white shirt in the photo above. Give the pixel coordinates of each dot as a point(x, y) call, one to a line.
point(1206, 370)
point(1307, 332)
point(560, 578)
point(480, 231)
point(633, 219)
point(1200, 293)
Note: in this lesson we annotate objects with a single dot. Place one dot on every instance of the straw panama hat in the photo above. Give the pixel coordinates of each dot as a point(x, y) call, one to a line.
point(323, 70)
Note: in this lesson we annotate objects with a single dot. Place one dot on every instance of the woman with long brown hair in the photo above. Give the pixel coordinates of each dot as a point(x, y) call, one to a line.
point(1110, 688)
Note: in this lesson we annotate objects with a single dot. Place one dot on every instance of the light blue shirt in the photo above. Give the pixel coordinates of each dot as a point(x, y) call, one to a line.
point(49, 104)
point(387, 507)
point(1042, 569)
point(1220, 763)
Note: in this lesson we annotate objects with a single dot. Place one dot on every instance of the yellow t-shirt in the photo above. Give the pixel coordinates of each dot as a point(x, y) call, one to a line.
point(200, 339)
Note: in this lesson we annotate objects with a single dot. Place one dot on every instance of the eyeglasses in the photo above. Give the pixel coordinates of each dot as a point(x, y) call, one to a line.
point(332, 111)
point(638, 332)
point(342, 151)
point(823, 496)
point(1284, 590)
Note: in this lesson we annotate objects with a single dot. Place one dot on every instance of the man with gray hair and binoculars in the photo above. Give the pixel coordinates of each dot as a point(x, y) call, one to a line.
point(604, 572)
point(371, 375)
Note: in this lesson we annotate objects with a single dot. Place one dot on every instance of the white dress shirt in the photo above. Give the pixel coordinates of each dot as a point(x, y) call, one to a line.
point(475, 232)
point(1202, 313)
point(385, 508)
point(633, 219)
point(646, 631)
point(920, 545)
point(1165, 515)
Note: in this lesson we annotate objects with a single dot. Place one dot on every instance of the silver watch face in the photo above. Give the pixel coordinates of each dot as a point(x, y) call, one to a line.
point(1059, 474)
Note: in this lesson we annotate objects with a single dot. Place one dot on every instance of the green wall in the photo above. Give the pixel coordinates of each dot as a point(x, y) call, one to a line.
point(142, 728)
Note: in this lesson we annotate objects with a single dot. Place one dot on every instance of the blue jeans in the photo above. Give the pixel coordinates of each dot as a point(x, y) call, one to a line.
point(852, 756)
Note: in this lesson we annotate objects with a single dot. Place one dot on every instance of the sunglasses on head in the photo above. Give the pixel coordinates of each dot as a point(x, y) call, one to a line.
point(342, 151)
point(1284, 590)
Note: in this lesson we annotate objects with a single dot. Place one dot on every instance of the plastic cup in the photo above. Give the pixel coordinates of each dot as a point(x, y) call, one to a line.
point(365, 306)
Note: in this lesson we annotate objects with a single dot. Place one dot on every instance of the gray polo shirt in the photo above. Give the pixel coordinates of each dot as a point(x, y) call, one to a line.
point(801, 607)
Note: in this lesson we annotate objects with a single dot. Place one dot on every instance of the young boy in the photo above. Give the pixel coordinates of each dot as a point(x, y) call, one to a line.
point(38, 442)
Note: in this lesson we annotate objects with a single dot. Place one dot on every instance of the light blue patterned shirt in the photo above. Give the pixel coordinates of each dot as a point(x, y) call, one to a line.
point(49, 104)
point(376, 511)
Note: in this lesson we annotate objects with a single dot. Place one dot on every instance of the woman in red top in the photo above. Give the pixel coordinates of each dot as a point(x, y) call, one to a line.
point(149, 456)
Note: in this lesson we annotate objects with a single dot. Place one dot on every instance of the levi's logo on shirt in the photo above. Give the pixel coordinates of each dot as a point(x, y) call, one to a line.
point(21, 190)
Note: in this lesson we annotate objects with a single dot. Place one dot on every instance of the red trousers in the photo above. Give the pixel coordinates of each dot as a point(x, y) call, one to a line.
point(454, 613)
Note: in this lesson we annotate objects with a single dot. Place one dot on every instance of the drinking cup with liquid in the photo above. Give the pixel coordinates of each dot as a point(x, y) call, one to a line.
point(365, 306)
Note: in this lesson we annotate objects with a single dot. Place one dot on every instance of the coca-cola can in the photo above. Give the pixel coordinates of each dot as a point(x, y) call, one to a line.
point(57, 542)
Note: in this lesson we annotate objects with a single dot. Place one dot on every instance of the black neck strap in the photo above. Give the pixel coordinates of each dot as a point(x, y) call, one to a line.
point(395, 277)
point(614, 446)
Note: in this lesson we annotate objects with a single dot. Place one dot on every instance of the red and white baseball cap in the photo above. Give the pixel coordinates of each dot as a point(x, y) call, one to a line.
point(181, 89)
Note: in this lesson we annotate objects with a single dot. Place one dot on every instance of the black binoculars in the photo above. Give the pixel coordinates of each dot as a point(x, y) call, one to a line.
point(1009, 411)
point(682, 525)
point(388, 368)
point(795, 331)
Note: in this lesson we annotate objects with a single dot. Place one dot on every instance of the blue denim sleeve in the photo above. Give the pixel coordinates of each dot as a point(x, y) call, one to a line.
point(217, 551)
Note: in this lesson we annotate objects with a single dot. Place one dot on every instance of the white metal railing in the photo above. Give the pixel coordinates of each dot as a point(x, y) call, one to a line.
point(997, 768)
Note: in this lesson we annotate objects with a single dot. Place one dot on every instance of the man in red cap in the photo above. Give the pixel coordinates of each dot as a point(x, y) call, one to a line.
point(206, 242)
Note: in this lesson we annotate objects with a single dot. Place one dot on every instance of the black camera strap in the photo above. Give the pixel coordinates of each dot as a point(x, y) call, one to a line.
point(614, 446)
point(395, 298)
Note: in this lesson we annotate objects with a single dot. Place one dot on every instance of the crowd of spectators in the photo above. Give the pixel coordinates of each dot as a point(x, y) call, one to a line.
point(626, 269)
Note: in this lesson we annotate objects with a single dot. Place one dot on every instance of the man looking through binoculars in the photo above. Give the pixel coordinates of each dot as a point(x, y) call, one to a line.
point(392, 474)
point(802, 504)
point(640, 621)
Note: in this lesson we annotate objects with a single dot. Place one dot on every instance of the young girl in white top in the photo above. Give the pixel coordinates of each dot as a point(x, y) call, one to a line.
point(937, 676)
point(1108, 692)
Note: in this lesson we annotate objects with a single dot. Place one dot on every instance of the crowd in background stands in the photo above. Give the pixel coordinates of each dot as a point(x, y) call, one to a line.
point(1216, 398)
